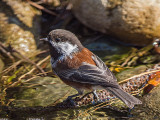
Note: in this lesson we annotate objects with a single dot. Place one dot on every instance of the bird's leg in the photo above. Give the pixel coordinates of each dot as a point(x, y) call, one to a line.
point(80, 92)
point(95, 96)
point(129, 112)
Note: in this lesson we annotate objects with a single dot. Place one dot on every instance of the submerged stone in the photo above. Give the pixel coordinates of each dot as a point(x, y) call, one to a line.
point(42, 91)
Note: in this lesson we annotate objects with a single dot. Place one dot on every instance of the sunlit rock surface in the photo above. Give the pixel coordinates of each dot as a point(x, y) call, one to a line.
point(19, 25)
point(132, 21)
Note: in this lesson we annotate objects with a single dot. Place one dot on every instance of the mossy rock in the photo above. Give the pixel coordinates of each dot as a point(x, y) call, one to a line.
point(150, 109)
point(41, 91)
point(131, 72)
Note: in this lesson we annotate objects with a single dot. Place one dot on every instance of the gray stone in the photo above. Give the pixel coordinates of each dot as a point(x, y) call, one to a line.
point(132, 21)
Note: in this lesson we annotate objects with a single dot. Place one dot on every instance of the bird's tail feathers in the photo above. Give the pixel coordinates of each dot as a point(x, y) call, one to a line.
point(128, 99)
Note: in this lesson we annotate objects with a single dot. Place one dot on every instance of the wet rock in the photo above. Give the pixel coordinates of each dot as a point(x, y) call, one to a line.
point(41, 91)
point(150, 109)
point(132, 21)
point(131, 72)
point(19, 25)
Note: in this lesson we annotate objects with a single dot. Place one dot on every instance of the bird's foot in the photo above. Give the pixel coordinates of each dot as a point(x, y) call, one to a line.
point(97, 101)
point(70, 101)
point(96, 97)
point(129, 112)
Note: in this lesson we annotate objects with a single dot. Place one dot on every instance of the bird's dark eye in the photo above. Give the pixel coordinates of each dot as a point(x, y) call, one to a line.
point(57, 39)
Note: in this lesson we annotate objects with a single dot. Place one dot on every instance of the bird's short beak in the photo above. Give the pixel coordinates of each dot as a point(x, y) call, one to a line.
point(44, 39)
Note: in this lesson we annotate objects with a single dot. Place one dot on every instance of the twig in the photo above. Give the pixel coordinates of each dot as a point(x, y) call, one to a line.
point(33, 77)
point(127, 60)
point(20, 61)
point(24, 57)
point(2, 48)
point(44, 51)
point(42, 73)
point(135, 76)
point(136, 54)
point(11, 67)
point(30, 79)
point(39, 63)
point(30, 61)
point(41, 8)
point(129, 57)
point(19, 80)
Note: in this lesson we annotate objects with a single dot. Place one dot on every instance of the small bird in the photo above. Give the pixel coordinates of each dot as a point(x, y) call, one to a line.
point(78, 67)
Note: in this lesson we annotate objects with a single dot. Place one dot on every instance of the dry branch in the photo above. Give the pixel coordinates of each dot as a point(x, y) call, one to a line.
point(41, 8)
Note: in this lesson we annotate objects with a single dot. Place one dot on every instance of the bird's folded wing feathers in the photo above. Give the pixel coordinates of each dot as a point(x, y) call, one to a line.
point(89, 74)
point(100, 64)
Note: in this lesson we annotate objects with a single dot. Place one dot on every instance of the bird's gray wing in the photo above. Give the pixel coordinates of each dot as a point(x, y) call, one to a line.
point(100, 64)
point(88, 74)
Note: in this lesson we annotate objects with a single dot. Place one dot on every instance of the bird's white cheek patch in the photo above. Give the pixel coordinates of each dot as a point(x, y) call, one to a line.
point(65, 48)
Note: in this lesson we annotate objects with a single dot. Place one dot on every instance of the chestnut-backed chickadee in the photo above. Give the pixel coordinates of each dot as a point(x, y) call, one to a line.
point(78, 67)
